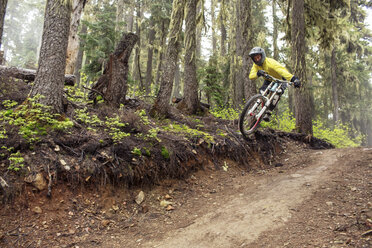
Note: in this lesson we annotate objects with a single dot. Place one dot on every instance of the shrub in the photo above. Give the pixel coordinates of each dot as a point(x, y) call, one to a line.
point(16, 161)
point(339, 136)
point(284, 122)
point(190, 132)
point(225, 113)
point(113, 126)
point(32, 119)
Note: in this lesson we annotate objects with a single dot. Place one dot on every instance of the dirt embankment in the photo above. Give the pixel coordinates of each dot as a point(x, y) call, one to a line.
point(311, 198)
point(162, 186)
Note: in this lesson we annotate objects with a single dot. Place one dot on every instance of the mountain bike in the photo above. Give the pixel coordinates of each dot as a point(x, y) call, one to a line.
point(257, 105)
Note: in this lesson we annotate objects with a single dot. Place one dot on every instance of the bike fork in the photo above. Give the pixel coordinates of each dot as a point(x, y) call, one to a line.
point(258, 116)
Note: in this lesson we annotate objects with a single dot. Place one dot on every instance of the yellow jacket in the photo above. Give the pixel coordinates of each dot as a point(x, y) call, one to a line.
point(273, 68)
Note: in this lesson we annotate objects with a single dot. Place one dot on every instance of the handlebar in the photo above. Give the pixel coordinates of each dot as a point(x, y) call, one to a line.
point(270, 78)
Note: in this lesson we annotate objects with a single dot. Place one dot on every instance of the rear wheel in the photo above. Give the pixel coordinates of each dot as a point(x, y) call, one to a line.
point(249, 120)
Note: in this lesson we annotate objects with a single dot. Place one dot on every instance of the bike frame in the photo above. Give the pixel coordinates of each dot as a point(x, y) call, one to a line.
point(271, 91)
point(267, 97)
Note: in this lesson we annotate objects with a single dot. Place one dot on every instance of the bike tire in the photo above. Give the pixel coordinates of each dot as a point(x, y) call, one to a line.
point(248, 122)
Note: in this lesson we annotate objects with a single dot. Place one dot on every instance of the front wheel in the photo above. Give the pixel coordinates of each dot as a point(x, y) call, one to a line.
point(249, 118)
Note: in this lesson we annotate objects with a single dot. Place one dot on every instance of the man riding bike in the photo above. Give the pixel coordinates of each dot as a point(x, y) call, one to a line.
point(274, 69)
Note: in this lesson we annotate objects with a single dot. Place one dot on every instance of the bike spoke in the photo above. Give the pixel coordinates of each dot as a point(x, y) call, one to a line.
point(249, 119)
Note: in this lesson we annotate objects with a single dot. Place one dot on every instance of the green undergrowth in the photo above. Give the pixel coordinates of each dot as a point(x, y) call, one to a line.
point(340, 136)
point(31, 121)
point(187, 131)
point(225, 113)
point(34, 121)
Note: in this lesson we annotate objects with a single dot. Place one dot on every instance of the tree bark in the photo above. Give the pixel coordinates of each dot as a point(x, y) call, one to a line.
point(137, 75)
point(52, 61)
point(303, 96)
point(177, 83)
point(237, 61)
point(130, 18)
point(79, 59)
point(369, 132)
point(336, 116)
point(29, 75)
point(149, 57)
point(223, 37)
point(73, 39)
point(161, 105)
point(213, 19)
point(160, 53)
point(113, 83)
point(119, 16)
point(190, 81)
point(247, 44)
point(275, 31)
point(199, 30)
point(3, 4)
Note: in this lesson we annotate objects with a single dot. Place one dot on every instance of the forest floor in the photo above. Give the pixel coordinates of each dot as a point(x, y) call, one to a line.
point(188, 181)
point(314, 198)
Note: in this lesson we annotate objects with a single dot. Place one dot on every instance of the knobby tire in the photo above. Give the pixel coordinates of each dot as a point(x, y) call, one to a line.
point(248, 122)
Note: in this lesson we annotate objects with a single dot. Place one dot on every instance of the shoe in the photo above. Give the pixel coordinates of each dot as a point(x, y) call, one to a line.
point(267, 116)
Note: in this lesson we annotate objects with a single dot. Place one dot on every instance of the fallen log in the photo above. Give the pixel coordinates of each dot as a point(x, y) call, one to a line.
point(29, 75)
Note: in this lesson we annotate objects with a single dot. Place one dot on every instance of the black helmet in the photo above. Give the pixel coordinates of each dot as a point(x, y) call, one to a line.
point(258, 50)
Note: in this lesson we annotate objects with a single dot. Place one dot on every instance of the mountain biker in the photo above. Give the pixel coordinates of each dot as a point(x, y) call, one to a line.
point(274, 69)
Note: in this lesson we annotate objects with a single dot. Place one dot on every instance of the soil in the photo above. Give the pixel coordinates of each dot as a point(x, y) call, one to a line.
point(312, 198)
point(181, 182)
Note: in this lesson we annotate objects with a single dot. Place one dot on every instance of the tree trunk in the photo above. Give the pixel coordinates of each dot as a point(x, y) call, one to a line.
point(79, 59)
point(73, 39)
point(223, 35)
point(50, 74)
point(120, 16)
point(177, 83)
point(325, 102)
point(303, 96)
point(3, 4)
point(161, 105)
point(190, 90)
point(149, 57)
point(369, 131)
point(198, 31)
point(130, 18)
point(247, 44)
point(236, 66)
point(112, 85)
point(275, 31)
point(224, 66)
point(213, 19)
point(336, 116)
point(160, 53)
point(137, 76)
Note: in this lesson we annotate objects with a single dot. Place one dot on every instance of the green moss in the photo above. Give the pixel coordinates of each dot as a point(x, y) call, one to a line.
point(32, 119)
point(190, 132)
point(137, 151)
point(165, 152)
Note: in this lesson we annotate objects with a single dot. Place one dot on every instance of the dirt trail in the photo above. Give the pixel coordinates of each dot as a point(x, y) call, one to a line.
point(317, 199)
point(264, 206)
point(312, 198)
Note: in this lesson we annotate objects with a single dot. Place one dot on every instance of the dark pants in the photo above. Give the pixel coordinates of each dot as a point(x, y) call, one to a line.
point(264, 87)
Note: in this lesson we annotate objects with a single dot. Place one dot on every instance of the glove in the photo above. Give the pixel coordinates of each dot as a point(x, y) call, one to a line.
point(260, 73)
point(296, 82)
